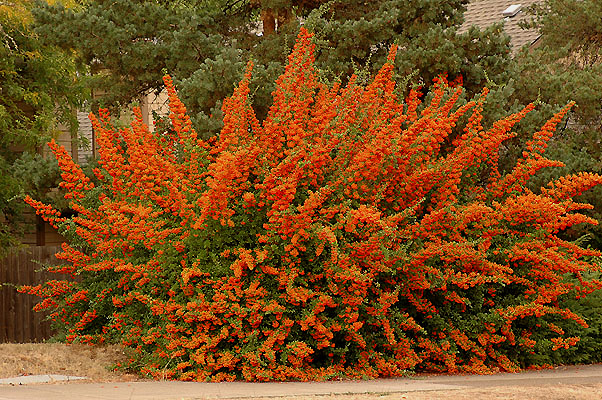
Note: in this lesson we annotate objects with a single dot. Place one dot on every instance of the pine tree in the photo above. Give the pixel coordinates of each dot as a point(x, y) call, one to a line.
point(126, 45)
point(567, 66)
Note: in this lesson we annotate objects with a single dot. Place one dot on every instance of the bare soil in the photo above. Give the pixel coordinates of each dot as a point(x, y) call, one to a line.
point(93, 362)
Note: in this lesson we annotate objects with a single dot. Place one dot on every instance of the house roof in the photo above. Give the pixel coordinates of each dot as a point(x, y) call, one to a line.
point(484, 13)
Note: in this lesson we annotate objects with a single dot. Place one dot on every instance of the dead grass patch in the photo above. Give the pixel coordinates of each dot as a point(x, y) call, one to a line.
point(93, 362)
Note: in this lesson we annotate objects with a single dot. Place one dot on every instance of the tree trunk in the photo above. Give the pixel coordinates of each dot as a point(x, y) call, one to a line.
point(284, 17)
point(269, 21)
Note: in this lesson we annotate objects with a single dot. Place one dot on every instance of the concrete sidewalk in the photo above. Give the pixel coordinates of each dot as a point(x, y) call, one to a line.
point(590, 376)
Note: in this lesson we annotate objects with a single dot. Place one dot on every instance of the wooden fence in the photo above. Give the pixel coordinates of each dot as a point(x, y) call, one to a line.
point(18, 322)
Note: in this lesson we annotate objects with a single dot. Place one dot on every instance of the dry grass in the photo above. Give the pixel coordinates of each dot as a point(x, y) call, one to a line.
point(55, 358)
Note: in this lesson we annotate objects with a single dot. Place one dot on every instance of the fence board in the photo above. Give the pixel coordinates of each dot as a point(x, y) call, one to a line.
point(3, 303)
point(18, 322)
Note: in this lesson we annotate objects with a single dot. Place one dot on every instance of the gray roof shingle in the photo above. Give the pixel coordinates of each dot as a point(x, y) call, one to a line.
point(484, 13)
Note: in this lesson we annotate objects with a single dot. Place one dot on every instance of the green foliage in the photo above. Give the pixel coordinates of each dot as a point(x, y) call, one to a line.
point(571, 28)
point(589, 348)
point(124, 45)
point(38, 90)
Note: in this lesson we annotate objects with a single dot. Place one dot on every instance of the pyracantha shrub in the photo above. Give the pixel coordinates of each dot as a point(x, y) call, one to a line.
point(348, 234)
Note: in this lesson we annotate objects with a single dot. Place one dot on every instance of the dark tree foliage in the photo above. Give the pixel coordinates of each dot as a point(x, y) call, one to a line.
point(567, 66)
point(37, 91)
point(125, 46)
